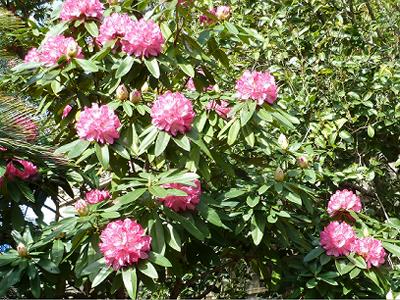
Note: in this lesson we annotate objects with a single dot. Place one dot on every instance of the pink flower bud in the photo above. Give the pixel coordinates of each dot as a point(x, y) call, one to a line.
point(22, 251)
point(81, 207)
point(303, 162)
point(122, 92)
point(135, 96)
point(279, 175)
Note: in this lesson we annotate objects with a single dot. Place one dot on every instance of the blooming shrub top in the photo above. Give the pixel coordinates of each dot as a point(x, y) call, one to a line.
point(124, 243)
point(75, 9)
point(257, 86)
point(173, 113)
point(144, 39)
point(182, 203)
point(98, 123)
point(338, 238)
point(371, 249)
point(343, 200)
point(53, 49)
point(29, 170)
point(96, 196)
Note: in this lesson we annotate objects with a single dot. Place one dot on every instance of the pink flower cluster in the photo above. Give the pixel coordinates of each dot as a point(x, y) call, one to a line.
point(343, 200)
point(173, 113)
point(76, 9)
point(182, 203)
point(222, 108)
point(98, 123)
point(21, 169)
point(221, 13)
point(53, 49)
point(339, 238)
point(96, 196)
point(257, 86)
point(124, 243)
point(141, 38)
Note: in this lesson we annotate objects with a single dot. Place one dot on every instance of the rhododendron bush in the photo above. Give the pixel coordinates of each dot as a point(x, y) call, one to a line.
point(195, 166)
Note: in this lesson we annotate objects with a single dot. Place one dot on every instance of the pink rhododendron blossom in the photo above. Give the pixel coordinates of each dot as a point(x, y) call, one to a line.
point(144, 39)
point(173, 113)
point(343, 200)
point(33, 55)
point(57, 46)
point(124, 243)
point(28, 127)
point(98, 123)
point(190, 85)
point(222, 109)
point(81, 207)
point(257, 86)
point(76, 9)
point(208, 20)
point(113, 27)
point(337, 238)
point(223, 12)
point(66, 111)
point(28, 170)
point(182, 203)
point(371, 249)
point(96, 196)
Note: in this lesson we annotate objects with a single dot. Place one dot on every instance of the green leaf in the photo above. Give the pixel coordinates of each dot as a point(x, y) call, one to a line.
point(354, 273)
point(161, 142)
point(129, 277)
point(152, 66)
point(57, 251)
point(101, 276)
point(183, 142)
point(35, 286)
point(159, 260)
point(257, 227)
point(173, 239)
point(131, 196)
point(103, 155)
point(313, 254)
point(294, 198)
point(67, 147)
point(48, 266)
point(233, 132)
point(92, 28)
point(345, 135)
point(78, 148)
point(187, 69)
point(188, 225)
point(147, 269)
point(148, 140)
point(210, 214)
point(231, 28)
point(125, 67)
point(87, 65)
point(371, 131)
point(394, 249)
point(358, 261)
point(158, 241)
point(94, 267)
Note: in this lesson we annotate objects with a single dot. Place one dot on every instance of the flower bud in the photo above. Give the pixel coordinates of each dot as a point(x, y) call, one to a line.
point(365, 232)
point(145, 87)
point(122, 92)
point(81, 208)
point(72, 50)
point(279, 174)
point(112, 2)
point(303, 162)
point(22, 251)
point(283, 142)
point(135, 96)
point(223, 12)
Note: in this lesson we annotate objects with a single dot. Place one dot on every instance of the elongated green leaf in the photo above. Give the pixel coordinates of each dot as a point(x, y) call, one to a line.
point(57, 251)
point(87, 65)
point(129, 278)
point(125, 67)
point(92, 28)
point(159, 260)
point(148, 140)
point(101, 276)
point(152, 66)
point(103, 155)
point(187, 69)
point(233, 132)
point(314, 253)
point(173, 238)
point(131, 196)
point(257, 227)
point(147, 269)
point(161, 142)
point(48, 266)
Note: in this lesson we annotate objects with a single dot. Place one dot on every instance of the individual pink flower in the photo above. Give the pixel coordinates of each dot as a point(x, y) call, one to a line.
point(124, 243)
point(57, 46)
point(2, 149)
point(144, 39)
point(98, 123)
point(81, 207)
point(371, 249)
point(223, 12)
point(222, 109)
point(257, 86)
point(25, 170)
point(113, 27)
point(96, 196)
point(337, 238)
point(343, 200)
point(76, 9)
point(190, 85)
point(173, 113)
point(208, 20)
point(182, 203)
point(33, 55)
point(66, 111)
point(28, 127)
